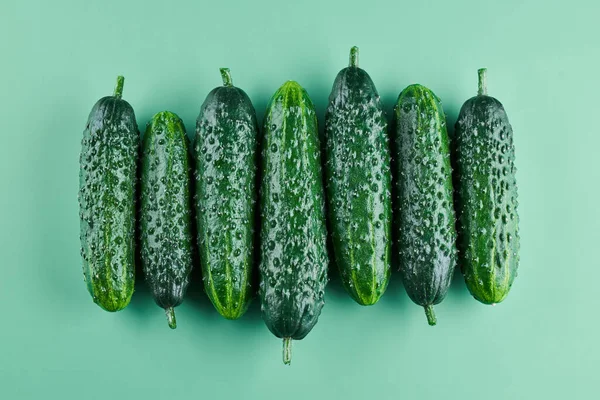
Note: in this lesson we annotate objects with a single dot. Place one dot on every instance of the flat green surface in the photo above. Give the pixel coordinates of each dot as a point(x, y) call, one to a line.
point(58, 58)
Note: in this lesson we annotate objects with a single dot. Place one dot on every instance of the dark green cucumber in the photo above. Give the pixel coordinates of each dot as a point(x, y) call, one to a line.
point(425, 213)
point(357, 170)
point(225, 150)
point(486, 197)
point(107, 190)
point(165, 227)
point(293, 265)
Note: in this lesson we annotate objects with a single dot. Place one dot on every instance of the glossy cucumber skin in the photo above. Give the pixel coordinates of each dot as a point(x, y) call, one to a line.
point(294, 260)
point(357, 170)
point(226, 191)
point(107, 193)
point(165, 221)
point(486, 199)
point(425, 209)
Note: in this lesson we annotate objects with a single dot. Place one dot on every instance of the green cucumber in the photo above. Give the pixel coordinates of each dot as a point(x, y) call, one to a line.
point(486, 197)
point(293, 236)
point(165, 222)
point(226, 164)
point(424, 206)
point(357, 169)
point(107, 190)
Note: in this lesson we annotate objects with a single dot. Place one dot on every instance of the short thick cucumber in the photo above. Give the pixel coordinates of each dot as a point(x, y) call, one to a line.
point(293, 266)
point(486, 197)
point(107, 190)
point(226, 165)
point(165, 229)
point(357, 169)
point(425, 213)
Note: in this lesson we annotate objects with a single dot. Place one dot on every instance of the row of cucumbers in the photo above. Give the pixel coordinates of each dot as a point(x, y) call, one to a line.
point(436, 212)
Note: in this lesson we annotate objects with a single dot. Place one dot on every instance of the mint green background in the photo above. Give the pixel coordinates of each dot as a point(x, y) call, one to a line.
point(59, 57)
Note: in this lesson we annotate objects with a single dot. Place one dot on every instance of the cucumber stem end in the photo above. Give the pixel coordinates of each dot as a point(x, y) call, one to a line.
point(119, 87)
point(226, 75)
point(354, 56)
point(430, 315)
point(171, 317)
point(482, 72)
point(287, 350)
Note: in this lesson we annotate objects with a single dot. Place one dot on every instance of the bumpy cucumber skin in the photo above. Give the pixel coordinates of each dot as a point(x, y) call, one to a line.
point(107, 192)
point(486, 199)
point(226, 165)
point(293, 266)
point(357, 170)
point(425, 209)
point(165, 222)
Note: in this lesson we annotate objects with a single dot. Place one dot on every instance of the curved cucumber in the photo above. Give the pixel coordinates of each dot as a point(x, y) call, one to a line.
point(225, 150)
point(165, 229)
point(358, 179)
point(107, 183)
point(488, 232)
point(426, 233)
point(293, 266)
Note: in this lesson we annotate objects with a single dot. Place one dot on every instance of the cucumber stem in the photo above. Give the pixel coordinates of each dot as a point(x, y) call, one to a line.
point(354, 56)
point(171, 317)
point(119, 87)
point(287, 350)
point(482, 91)
point(430, 315)
point(226, 75)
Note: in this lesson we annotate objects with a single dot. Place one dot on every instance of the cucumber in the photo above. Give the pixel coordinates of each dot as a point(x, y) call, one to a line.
point(424, 206)
point(486, 197)
point(293, 249)
point(357, 170)
point(165, 222)
point(107, 190)
point(226, 158)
